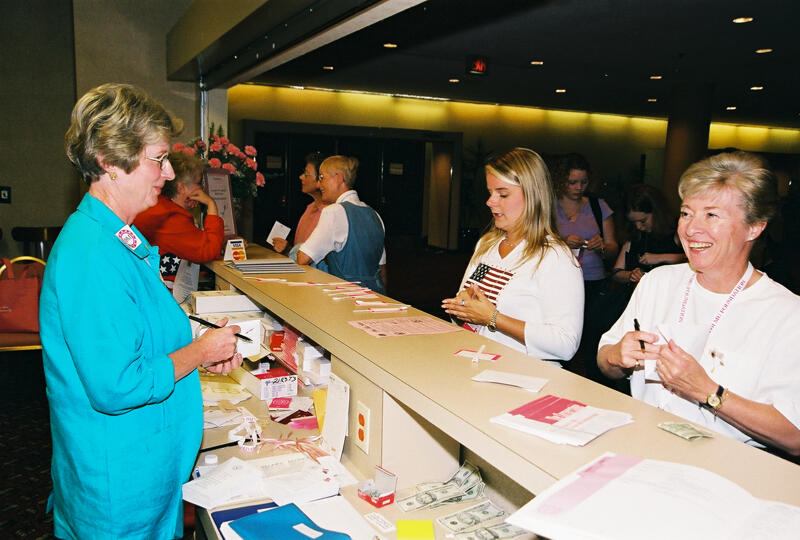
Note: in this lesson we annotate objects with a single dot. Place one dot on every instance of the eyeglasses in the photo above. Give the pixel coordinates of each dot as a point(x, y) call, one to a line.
point(160, 160)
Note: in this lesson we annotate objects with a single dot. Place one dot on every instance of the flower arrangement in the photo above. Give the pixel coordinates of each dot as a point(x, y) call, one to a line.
point(222, 154)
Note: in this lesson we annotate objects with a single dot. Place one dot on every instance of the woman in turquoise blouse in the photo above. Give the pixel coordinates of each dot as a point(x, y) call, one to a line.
point(120, 364)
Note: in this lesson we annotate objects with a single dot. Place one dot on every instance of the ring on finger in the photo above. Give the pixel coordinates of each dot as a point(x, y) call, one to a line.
point(462, 301)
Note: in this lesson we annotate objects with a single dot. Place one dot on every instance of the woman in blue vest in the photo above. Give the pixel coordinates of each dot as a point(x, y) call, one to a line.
point(349, 235)
point(126, 412)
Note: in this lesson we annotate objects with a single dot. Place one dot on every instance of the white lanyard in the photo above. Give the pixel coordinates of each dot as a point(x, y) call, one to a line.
point(731, 297)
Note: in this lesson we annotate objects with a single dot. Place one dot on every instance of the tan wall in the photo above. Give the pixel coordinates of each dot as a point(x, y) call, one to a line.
point(37, 89)
point(119, 41)
point(612, 143)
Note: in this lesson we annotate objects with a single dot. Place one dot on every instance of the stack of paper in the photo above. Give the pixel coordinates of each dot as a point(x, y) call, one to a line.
point(629, 498)
point(268, 266)
point(562, 421)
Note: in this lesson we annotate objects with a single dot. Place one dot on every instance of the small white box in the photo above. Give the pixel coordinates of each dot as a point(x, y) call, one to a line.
point(250, 326)
point(267, 385)
point(221, 302)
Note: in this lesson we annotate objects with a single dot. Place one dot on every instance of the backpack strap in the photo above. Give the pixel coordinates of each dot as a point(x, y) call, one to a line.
point(598, 214)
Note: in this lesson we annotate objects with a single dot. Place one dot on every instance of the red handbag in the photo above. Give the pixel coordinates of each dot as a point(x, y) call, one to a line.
point(20, 285)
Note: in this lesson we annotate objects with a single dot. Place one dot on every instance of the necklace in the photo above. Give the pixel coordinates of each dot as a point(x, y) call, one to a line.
point(575, 213)
point(510, 243)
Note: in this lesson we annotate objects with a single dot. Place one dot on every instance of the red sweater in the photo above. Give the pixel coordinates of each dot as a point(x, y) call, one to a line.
point(172, 229)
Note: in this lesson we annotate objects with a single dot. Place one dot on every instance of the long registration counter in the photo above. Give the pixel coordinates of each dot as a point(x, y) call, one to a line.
point(424, 404)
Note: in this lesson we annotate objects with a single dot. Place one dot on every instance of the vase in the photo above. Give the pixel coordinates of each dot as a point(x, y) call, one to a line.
point(243, 217)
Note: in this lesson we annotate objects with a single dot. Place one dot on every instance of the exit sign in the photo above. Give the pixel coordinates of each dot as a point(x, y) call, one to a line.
point(477, 65)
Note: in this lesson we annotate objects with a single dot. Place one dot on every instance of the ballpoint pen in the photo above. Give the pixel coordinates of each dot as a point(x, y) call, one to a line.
point(636, 327)
point(212, 325)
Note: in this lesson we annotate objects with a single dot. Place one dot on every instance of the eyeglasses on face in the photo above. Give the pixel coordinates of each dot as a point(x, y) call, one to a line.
point(162, 160)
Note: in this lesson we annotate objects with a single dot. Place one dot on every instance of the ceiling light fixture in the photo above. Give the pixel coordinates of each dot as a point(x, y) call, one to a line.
point(652, 100)
point(327, 68)
point(730, 108)
point(537, 62)
point(656, 77)
point(742, 20)
point(561, 90)
point(390, 45)
point(454, 80)
point(756, 88)
point(763, 51)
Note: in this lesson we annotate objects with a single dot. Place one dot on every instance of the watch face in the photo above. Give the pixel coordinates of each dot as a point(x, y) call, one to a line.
point(713, 400)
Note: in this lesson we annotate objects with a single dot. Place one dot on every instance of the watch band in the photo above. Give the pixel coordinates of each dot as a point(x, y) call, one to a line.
point(492, 326)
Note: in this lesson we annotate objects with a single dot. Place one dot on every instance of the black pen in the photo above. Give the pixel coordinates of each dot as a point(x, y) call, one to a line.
point(212, 325)
point(217, 447)
point(636, 327)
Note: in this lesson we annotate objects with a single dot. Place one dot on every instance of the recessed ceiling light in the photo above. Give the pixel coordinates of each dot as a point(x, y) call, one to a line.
point(730, 108)
point(390, 45)
point(327, 68)
point(655, 77)
point(763, 51)
point(537, 63)
point(561, 90)
point(454, 80)
point(756, 88)
point(741, 20)
point(652, 100)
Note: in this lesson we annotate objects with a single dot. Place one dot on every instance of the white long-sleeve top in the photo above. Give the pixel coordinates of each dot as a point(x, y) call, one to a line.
point(549, 300)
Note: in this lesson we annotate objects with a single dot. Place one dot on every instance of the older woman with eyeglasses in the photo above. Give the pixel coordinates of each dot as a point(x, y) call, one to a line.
point(740, 375)
point(309, 184)
point(120, 364)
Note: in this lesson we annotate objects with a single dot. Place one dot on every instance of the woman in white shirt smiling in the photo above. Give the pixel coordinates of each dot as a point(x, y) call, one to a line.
point(743, 379)
point(523, 287)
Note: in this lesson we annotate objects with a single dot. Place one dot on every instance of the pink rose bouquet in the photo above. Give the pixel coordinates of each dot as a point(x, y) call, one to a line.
point(222, 154)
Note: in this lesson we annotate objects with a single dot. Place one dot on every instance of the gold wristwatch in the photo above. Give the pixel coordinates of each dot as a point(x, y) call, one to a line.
point(492, 326)
point(714, 400)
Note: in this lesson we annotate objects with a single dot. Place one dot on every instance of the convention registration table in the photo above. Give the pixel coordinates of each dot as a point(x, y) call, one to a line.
point(417, 379)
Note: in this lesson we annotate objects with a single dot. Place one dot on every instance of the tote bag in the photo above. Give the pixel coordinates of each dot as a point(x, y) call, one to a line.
point(20, 285)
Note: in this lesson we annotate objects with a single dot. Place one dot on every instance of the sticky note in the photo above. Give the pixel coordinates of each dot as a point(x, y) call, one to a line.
point(415, 529)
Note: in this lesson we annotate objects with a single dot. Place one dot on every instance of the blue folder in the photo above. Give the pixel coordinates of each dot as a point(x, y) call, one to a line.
point(279, 524)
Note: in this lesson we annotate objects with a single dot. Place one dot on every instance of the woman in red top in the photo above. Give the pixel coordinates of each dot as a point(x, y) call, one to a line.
point(169, 224)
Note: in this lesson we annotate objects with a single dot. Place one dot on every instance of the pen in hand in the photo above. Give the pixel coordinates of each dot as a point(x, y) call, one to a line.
point(212, 325)
point(636, 327)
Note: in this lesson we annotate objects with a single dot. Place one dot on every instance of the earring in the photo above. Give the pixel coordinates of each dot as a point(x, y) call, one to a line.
point(113, 175)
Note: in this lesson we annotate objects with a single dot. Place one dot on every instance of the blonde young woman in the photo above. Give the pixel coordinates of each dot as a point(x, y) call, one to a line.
point(523, 287)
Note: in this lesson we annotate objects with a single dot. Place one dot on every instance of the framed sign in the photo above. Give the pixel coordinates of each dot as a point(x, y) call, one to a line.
point(219, 189)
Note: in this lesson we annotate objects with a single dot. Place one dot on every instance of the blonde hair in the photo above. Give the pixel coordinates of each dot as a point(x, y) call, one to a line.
point(747, 173)
point(346, 165)
point(113, 122)
point(186, 167)
point(537, 225)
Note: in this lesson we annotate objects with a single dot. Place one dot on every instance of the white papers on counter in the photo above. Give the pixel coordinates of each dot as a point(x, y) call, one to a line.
point(628, 498)
point(562, 421)
point(283, 265)
point(531, 384)
point(284, 478)
point(234, 480)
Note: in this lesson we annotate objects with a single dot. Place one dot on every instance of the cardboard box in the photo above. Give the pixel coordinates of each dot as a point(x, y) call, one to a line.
point(221, 302)
point(267, 385)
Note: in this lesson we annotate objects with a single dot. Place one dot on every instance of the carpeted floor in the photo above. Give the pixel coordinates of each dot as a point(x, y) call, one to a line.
point(418, 275)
